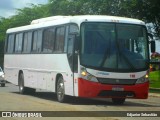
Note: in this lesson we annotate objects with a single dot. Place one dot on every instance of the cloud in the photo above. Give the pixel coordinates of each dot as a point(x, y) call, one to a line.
point(8, 7)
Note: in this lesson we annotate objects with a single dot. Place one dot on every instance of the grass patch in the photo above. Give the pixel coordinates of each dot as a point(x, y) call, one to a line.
point(154, 79)
point(154, 91)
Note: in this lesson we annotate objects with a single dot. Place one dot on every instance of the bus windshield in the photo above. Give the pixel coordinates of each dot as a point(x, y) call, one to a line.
point(114, 46)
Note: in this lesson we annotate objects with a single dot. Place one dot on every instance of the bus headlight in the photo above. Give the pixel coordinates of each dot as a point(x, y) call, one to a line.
point(142, 79)
point(87, 76)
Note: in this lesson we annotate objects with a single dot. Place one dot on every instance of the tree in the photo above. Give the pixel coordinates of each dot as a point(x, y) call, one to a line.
point(152, 14)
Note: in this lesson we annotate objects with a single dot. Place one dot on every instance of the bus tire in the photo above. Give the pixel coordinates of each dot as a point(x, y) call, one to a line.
point(22, 89)
point(60, 90)
point(118, 101)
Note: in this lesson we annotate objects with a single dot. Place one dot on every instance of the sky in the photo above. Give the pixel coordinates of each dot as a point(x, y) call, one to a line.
point(8, 7)
point(158, 46)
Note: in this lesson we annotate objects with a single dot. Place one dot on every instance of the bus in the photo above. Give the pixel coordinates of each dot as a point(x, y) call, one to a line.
point(89, 56)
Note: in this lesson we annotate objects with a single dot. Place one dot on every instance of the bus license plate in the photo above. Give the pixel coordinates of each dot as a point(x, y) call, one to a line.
point(117, 89)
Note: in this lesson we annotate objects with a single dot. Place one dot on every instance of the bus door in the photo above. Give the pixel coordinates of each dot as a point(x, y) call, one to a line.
point(72, 55)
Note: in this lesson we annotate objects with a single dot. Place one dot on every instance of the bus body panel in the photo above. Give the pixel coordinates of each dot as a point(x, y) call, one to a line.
point(92, 90)
point(40, 74)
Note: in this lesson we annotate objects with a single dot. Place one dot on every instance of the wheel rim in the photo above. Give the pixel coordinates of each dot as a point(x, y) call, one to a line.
point(21, 86)
point(60, 89)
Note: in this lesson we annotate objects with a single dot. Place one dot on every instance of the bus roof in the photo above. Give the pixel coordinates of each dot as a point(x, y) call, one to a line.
point(58, 20)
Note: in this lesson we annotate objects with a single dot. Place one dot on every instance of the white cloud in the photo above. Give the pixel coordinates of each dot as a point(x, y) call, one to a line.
point(8, 7)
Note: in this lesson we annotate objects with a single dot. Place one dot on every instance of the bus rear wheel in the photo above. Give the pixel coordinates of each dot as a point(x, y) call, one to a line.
point(60, 91)
point(118, 101)
point(22, 88)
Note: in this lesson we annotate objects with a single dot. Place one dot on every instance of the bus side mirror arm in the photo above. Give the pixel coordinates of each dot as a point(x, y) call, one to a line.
point(153, 46)
point(152, 42)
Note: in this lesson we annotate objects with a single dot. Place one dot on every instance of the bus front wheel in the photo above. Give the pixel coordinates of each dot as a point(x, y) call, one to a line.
point(60, 91)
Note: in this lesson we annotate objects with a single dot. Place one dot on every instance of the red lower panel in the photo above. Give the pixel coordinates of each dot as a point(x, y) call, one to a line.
point(92, 89)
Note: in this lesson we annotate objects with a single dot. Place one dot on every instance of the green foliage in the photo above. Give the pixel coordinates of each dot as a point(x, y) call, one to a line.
point(147, 10)
point(155, 79)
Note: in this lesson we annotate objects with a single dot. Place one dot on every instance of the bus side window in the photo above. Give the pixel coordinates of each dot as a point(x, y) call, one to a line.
point(18, 43)
point(59, 43)
point(72, 30)
point(10, 43)
point(48, 40)
point(34, 44)
point(27, 42)
point(37, 41)
point(70, 44)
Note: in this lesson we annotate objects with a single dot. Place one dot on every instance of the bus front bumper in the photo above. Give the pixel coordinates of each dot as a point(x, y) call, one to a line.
point(94, 89)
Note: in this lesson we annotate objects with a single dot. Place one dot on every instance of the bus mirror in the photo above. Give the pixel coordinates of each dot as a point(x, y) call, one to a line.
point(153, 46)
point(152, 42)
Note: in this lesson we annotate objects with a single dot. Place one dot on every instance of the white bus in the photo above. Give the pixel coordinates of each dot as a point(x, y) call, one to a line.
point(83, 56)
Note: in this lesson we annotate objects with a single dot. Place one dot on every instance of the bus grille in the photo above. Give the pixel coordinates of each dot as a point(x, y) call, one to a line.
point(117, 81)
point(116, 94)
